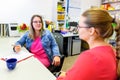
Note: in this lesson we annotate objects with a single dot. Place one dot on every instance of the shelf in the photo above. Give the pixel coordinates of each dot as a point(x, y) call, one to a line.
point(60, 19)
point(61, 11)
point(113, 10)
point(61, 22)
point(110, 2)
point(61, 2)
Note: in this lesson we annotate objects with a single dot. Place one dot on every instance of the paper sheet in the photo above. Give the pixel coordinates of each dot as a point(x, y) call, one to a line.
point(22, 55)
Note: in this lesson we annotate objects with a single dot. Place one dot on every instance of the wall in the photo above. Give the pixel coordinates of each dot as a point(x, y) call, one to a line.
point(54, 11)
point(77, 7)
point(86, 4)
point(74, 10)
point(21, 10)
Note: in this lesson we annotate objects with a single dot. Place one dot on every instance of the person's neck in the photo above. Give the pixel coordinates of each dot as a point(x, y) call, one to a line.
point(97, 42)
point(37, 33)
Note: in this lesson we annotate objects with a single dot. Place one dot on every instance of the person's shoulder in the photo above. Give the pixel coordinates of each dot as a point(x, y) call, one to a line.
point(26, 34)
point(86, 57)
point(87, 53)
point(47, 31)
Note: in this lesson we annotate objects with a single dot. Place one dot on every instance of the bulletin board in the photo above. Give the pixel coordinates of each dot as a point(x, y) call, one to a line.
point(74, 14)
point(74, 10)
point(75, 3)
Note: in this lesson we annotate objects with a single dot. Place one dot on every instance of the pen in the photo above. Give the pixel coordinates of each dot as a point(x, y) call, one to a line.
point(24, 59)
point(3, 59)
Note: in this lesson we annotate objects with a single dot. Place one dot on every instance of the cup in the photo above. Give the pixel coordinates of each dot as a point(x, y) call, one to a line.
point(11, 63)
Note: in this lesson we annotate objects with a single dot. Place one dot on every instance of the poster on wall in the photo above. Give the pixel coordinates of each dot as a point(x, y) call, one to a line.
point(74, 10)
point(74, 3)
point(74, 14)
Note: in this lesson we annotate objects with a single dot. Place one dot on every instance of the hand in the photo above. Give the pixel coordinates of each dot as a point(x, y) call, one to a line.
point(62, 74)
point(17, 48)
point(56, 61)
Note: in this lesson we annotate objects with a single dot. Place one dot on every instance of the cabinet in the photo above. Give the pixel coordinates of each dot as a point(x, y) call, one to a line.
point(76, 45)
point(9, 30)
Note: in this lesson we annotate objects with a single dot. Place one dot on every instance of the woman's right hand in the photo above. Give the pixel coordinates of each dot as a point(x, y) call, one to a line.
point(17, 48)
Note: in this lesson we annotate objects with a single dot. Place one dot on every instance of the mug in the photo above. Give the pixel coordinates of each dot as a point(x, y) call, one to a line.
point(11, 63)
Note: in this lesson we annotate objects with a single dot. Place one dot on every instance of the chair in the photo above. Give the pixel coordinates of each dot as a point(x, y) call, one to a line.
point(73, 26)
point(59, 39)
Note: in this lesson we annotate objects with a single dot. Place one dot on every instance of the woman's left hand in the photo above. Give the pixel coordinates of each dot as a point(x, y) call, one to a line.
point(56, 61)
point(63, 74)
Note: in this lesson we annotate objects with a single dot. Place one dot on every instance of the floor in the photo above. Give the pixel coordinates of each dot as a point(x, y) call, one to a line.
point(68, 62)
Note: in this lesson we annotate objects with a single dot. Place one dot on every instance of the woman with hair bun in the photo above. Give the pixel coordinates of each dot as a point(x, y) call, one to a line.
point(99, 62)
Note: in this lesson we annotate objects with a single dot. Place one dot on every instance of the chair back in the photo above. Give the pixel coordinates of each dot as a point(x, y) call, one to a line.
point(59, 39)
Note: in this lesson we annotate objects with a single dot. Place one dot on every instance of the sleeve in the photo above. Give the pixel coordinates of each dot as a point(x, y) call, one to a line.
point(83, 69)
point(54, 46)
point(22, 40)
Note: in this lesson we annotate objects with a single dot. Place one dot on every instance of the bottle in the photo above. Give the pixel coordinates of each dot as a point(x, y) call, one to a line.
point(67, 26)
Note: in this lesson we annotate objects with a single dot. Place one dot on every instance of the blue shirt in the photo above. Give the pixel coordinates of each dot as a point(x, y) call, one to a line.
point(48, 42)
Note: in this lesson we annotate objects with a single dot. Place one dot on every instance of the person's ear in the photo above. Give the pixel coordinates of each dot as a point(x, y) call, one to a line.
point(92, 30)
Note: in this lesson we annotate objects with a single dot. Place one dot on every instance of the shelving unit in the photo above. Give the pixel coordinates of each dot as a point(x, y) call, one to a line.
point(112, 6)
point(113, 10)
point(113, 1)
point(61, 13)
point(4, 30)
point(9, 30)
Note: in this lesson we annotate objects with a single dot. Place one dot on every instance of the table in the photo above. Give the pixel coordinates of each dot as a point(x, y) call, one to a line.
point(29, 69)
point(70, 34)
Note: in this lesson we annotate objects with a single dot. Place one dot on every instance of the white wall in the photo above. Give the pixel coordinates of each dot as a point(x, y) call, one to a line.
point(21, 10)
point(86, 4)
point(54, 11)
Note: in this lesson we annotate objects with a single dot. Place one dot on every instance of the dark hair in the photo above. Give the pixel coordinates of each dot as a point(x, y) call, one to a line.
point(32, 31)
point(101, 20)
point(117, 29)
